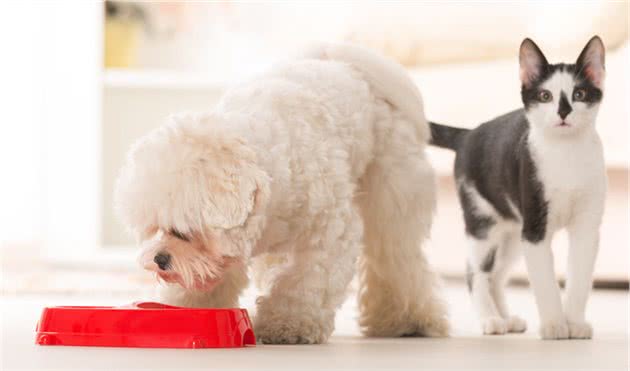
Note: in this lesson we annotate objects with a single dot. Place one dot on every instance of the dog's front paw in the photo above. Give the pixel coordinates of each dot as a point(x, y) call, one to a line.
point(516, 324)
point(554, 330)
point(291, 330)
point(494, 326)
point(580, 330)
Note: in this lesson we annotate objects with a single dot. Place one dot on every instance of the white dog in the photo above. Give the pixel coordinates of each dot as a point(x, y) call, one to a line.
point(321, 159)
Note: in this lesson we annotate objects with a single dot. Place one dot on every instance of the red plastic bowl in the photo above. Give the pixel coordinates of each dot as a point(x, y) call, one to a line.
point(145, 325)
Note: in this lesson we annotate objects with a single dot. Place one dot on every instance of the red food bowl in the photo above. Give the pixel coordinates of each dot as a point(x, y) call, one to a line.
point(145, 325)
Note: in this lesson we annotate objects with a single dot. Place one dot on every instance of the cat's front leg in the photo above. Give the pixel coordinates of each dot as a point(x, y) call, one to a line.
point(583, 247)
point(539, 261)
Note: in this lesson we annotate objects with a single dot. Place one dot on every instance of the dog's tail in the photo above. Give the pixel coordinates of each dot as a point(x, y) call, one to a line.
point(447, 136)
point(387, 77)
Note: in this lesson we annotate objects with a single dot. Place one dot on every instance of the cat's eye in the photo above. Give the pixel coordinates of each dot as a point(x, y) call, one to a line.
point(544, 96)
point(179, 235)
point(579, 95)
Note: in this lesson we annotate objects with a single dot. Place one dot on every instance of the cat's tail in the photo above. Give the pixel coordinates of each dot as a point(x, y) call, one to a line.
point(446, 136)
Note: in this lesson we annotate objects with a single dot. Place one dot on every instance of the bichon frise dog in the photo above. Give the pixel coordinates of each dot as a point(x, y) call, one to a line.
point(321, 159)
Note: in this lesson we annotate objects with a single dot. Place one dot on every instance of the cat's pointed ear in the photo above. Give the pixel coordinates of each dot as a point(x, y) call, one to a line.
point(590, 63)
point(532, 62)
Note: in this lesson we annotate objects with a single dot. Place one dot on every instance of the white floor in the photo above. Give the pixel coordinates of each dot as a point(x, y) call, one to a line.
point(466, 349)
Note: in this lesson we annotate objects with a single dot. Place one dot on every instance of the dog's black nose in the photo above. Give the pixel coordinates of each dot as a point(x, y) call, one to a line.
point(163, 261)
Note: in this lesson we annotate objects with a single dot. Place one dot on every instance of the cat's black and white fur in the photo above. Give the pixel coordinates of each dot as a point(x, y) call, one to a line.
point(527, 174)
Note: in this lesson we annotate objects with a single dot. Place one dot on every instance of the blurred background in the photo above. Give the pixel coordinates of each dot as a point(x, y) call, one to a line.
point(82, 80)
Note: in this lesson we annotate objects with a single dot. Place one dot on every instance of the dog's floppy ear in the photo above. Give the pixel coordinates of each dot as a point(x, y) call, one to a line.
point(235, 185)
point(240, 191)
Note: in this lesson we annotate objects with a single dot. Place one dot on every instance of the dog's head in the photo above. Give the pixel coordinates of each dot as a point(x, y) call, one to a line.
point(194, 196)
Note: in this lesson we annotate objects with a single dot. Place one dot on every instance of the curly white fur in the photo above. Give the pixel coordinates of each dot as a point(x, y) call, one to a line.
point(320, 159)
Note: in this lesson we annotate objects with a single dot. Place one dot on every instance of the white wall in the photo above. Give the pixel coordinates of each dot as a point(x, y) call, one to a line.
point(51, 66)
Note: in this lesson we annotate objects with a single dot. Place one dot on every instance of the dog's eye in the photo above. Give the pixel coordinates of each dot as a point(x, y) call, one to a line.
point(579, 95)
point(544, 96)
point(179, 235)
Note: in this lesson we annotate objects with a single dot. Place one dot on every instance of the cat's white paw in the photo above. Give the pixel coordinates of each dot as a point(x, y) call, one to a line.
point(494, 326)
point(580, 330)
point(554, 330)
point(516, 324)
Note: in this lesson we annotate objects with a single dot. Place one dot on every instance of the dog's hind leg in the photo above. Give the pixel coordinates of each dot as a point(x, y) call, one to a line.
point(224, 295)
point(398, 290)
point(301, 303)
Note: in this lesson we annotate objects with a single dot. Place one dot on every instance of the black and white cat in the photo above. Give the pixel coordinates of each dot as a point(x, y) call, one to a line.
point(527, 174)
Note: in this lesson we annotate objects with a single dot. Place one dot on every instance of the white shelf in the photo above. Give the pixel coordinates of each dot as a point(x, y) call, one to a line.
point(115, 78)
